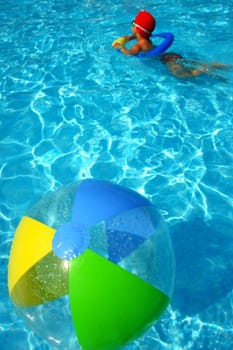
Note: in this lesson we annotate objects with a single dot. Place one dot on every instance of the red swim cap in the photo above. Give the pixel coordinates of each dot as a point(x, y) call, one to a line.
point(144, 23)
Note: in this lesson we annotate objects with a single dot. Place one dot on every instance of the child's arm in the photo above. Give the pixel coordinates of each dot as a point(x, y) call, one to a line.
point(120, 42)
point(133, 51)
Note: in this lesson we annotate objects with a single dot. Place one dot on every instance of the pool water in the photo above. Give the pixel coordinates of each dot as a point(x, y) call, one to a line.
point(73, 108)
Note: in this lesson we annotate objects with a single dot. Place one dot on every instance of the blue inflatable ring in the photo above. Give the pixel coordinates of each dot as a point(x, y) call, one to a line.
point(169, 37)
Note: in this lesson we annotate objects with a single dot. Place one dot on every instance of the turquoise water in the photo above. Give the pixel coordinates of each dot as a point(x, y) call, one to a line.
point(72, 107)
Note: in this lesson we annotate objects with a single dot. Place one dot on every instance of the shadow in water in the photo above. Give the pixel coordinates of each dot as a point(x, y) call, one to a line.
point(204, 265)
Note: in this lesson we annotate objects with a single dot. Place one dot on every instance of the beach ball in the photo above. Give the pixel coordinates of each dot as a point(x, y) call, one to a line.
point(91, 266)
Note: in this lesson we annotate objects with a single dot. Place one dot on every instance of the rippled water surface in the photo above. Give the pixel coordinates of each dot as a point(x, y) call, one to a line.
point(72, 107)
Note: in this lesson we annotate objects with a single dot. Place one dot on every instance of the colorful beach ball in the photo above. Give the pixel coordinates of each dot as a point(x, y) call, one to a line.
point(91, 266)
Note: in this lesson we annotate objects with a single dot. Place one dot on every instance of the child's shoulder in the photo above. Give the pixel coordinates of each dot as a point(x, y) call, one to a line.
point(145, 44)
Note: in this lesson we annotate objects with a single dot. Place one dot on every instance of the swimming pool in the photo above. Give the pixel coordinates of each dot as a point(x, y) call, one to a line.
point(72, 107)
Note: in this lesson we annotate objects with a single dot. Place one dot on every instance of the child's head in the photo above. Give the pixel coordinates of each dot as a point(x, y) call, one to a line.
point(144, 23)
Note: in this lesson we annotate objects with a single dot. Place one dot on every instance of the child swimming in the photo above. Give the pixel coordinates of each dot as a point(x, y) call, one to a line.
point(142, 28)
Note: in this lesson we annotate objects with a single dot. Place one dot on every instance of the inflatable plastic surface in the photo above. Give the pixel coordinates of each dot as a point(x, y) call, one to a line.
point(91, 266)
